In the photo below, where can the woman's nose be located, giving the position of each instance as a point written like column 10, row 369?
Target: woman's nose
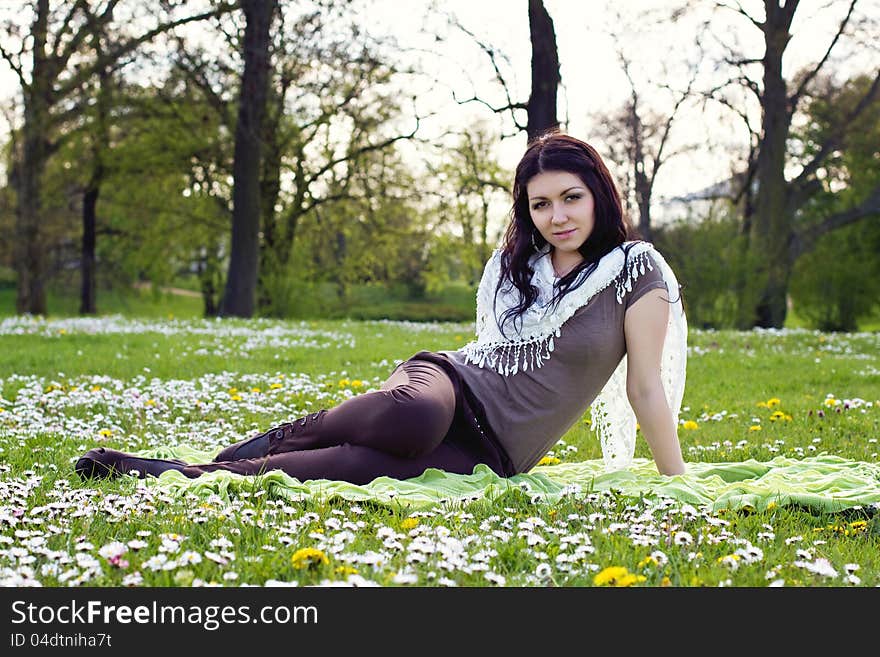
column 559, row 214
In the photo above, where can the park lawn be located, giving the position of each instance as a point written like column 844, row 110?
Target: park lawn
column 68, row 384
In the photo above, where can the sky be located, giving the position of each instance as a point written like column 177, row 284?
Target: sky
column 593, row 80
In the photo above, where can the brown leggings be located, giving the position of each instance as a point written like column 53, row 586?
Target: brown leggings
column 415, row 421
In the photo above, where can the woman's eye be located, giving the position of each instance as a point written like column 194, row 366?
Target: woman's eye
column 538, row 205
column 574, row 197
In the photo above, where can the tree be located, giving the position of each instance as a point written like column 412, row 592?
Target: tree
column 59, row 66
column 637, row 135
column 241, row 281
column 545, row 71
column 541, row 110
column 470, row 180
column 330, row 100
column 836, row 280
column 775, row 201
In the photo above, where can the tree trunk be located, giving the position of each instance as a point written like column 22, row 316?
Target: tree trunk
column 28, row 251
column 241, row 280
column 208, row 271
column 771, row 224
column 100, row 138
column 270, row 189
column 545, row 71
column 87, row 303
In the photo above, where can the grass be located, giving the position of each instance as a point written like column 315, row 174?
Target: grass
column 456, row 303
column 66, row 385
column 143, row 302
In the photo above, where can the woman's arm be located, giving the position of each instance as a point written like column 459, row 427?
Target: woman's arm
column 645, row 330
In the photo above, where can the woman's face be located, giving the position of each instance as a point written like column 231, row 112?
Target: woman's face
column 562, row 209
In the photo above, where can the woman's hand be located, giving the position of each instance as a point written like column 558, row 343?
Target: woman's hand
column 645, row 331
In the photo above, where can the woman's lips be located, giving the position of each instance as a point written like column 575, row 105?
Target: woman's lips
column 565, row 234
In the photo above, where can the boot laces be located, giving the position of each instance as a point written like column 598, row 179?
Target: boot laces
column 310, row 418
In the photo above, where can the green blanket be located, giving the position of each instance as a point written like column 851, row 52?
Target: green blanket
column 824, row 483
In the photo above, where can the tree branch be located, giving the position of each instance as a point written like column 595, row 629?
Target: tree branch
column 657, row 160
column 93, row 25
column 834, row 139
column 15, row 67
column 497, row 110
column 511, row 105
column 739, row 10
column 128, row 46
column 805, row 239
column 195, row 72
column 360, row 151
column 795, row 98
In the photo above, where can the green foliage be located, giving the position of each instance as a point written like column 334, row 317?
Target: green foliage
column 837, row 285
column 449, row 261
column 710, row 262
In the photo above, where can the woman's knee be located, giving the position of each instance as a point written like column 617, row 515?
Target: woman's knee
column 420, row 422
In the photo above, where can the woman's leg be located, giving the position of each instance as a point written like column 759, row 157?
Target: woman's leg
column 353, row 463
column 408, row 417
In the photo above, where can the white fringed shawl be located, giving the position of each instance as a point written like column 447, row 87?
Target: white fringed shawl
column 531, row 345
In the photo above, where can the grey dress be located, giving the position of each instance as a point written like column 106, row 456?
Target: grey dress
column 528, row 412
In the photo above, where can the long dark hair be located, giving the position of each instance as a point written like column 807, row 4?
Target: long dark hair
column 554, row 151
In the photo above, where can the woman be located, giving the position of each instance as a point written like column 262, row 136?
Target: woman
column 559, row 306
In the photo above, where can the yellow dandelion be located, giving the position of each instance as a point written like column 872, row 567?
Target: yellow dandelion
column 755, row 427
column 690, row 425
column 62, row 331
column 777, row 415
column 609, row 575
column 647, row 561
column 665, row 582
column 308, row 557
column 105, row 433
column 409, row 523
column 275, row 386
column 629, row 579
column 357, row 383
column 548, row 460
column 762, row 404
column 255, row 390
column 96, row 388
column 773, row 402
column 150, row 402
column 345, row 571
column 2, row 410
column 831, row 401
column 343, row 382
column 236, row 398
column 729, row 559
column 232, row 391
column 638, row 427
column 771, row 506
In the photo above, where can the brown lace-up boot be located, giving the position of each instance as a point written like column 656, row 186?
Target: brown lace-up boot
column 103, row 463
